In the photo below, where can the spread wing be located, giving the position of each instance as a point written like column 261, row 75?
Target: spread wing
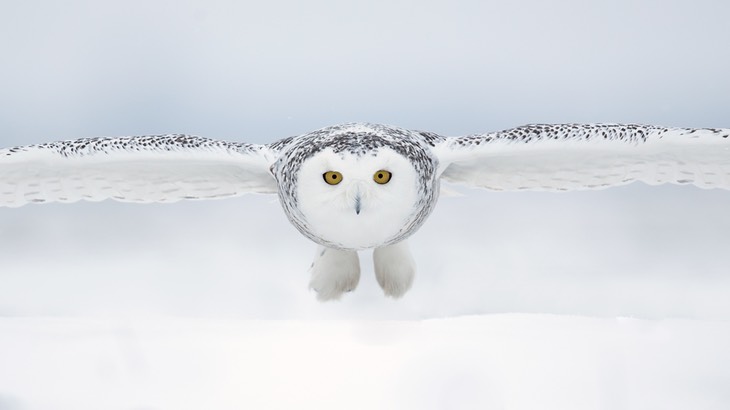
column 158, row 168
column 572, row 156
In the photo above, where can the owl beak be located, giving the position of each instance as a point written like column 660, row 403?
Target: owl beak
column 354, row 193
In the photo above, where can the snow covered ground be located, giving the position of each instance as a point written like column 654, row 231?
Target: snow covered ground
column 508, row 361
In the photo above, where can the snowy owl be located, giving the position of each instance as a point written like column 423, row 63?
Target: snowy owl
column 360, row 186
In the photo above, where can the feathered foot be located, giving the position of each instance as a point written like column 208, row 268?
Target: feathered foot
column 334, row 272
column 394, row 268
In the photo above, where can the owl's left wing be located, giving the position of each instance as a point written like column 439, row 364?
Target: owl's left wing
column 155, row 168
column 572, row 156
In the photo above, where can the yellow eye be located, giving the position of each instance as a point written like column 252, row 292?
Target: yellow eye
column 382, row 177
column 332, row 177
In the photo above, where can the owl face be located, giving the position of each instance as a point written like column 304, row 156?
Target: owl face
column 357, row 186
column 357, row 201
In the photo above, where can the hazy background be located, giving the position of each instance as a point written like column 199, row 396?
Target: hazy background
column 257, row 72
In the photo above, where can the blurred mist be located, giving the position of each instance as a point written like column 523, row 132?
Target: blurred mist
column 259, row 72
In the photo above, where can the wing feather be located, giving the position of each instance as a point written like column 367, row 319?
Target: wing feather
column 156, row 168
column 573, row 156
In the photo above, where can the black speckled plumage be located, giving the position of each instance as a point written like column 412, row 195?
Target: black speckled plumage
column 626, row 133
column 145, row 143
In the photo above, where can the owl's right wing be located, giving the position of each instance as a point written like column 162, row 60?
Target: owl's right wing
column 157, row 168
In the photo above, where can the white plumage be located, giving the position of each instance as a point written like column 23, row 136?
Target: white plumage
column 159, row 168
column 357, row 186
column 569, row 157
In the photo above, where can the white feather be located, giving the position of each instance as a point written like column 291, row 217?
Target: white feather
column 569, row 157
column 334, row 272
column 394, row 268
column 163, row 168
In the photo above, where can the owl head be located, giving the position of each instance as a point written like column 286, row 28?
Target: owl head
column 357, row 186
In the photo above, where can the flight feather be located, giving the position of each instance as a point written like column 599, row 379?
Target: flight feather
column 155, row 168
column 575, row 156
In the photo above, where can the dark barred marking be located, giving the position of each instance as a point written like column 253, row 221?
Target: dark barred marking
column 151, row 143
column 628, row 133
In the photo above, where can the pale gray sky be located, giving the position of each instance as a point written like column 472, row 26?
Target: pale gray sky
column 262, row 70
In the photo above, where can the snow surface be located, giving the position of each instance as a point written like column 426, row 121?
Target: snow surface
column 508, row 361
